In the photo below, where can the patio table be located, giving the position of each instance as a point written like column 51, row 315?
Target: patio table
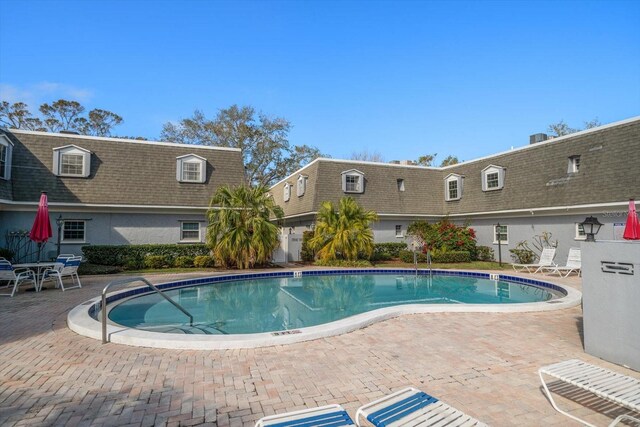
column 39, row 267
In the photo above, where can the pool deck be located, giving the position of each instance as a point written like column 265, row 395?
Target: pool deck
column 484, row 364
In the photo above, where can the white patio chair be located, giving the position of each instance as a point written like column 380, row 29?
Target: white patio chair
column 330, row 416
column 67, row 268
column 574, row 263
column 546, row 260
column 412, row 407
column 17, row 277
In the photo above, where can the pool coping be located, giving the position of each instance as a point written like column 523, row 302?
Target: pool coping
column 82, row 319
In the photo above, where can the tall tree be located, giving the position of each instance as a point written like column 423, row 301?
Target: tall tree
column 562, row 129
column 426, row 160
column 18, row 116
column 365, row 156
column 100, row 122
column 449, row 160
column 63, row 115
column 240, row 231
column 345, row 233
column 268, row 156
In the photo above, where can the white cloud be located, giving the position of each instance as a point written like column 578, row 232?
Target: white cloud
column 36, row 94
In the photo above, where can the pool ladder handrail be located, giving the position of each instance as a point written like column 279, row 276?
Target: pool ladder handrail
column 131, row 280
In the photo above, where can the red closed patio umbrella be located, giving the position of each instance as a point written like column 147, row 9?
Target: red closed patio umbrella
column 41, row 230
column 632, row 228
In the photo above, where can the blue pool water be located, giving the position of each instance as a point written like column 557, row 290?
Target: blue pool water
column 277, row 304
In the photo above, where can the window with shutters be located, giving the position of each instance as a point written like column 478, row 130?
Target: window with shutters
column 453, row 187
column 353, row 181
column 72, row 161
column 492, row 178
column 191, row 168
column 6, row 147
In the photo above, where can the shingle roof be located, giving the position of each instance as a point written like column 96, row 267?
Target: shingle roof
column 123, row 172
column 536, row 176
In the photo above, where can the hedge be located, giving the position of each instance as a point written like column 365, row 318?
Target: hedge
column 442, row 257
column 132, row 256
column 393, row 249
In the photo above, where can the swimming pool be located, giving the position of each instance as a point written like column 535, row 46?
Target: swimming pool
column 251, row 310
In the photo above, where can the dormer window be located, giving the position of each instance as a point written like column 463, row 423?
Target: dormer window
column 302, row 185
column 492, row 178
column 353, row 181
column 453, row 187
column 286, row 192
column 6, row 148
column 574, row 164
column 71, row 160
column 191, row 168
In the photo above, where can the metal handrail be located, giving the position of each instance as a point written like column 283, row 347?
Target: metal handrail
column 131, row 280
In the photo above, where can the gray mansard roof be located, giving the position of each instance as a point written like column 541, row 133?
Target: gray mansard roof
column 123, row 172
column 535, row 176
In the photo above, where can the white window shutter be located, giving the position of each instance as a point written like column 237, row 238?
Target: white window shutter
column 446, row 190
column 86, row 166
column 344, row 182
column 7, row 170
column 179, row 170
column 203, row 171
column 501, row 178
column 460, row 181
column 360, row 184
column 484, row 180
column 56, row 162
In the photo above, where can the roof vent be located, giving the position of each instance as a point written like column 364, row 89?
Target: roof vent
column 69, row 132
column 537, row 137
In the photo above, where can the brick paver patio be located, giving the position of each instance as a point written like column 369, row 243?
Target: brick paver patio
column 483, row 364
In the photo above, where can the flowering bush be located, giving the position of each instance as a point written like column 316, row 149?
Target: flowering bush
column 445, row 236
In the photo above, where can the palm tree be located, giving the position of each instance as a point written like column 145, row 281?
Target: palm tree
column 240, row 230
column 343, row 234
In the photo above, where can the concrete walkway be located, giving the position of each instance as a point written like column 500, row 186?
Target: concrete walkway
column 483, row 364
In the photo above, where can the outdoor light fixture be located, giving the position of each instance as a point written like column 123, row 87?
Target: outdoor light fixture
column 591, row 226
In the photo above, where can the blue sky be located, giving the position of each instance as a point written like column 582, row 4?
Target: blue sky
column 400, row 78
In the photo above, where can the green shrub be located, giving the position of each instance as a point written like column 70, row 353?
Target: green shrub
column 444, row 235
column 89, row 269
column 6, row 253
column 204, row 261
column 407, row 256
column 183, row 262
column 343, row 263
column 156, row 261
column 522, row 254
column 392, row 249
column 452, row 256
column 132, row 256
column 484, row 253
column 306, row 253
column 381, row 256
column 132, row 264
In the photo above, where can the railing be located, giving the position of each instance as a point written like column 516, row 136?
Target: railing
column 131, row 280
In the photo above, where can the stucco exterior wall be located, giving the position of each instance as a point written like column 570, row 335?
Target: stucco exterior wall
column 106, row 228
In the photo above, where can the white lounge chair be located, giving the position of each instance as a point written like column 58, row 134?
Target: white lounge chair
column 574, row 263
column 329, row 416
column 546, row 260
column 617, row 388
column 65, row 267
column 413, row 407
column 11, row 275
